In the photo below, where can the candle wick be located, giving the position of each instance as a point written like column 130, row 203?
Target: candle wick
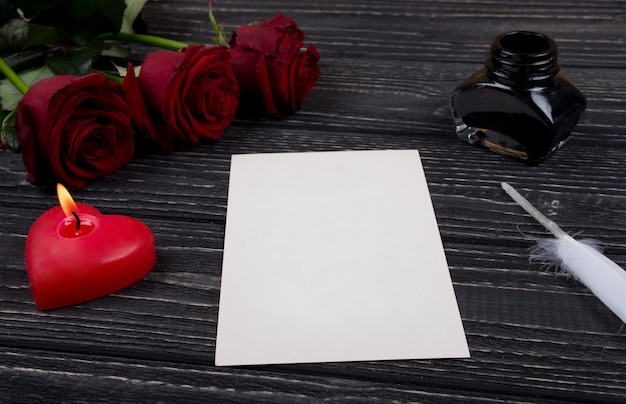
column 77, row 220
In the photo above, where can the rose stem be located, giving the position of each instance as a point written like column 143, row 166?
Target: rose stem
column 110, row 76
column 220, row 39
column 146, row 40
column 13, row 77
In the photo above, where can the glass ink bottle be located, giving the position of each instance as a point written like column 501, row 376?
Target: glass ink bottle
column 519, row 104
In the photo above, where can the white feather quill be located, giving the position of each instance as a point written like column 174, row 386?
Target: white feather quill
column 582, row 259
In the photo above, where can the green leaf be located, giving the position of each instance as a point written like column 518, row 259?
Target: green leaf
column 76, row 61
column 76, row 21
column 13, row 34
column 41, row 35
column 10, row 95
column 133, row 9
column 18, row 34
column 90, row 18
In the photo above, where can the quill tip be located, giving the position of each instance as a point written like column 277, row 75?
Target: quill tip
column 534, row 212
column 513, row 193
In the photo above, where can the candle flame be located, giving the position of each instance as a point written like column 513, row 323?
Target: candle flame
column 65, row 199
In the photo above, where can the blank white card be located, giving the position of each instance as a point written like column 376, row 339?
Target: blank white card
column 334, row 256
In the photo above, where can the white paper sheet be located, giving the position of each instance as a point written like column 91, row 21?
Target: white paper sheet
column 334, row 256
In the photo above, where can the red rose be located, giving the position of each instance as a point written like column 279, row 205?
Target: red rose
column 192, row 94
column 74, row 129
column 274, row 76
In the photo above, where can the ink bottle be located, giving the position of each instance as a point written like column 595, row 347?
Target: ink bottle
column 519, row 104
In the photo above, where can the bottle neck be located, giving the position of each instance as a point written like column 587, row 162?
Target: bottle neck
column 522, row 58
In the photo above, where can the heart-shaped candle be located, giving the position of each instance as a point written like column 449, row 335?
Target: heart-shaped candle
column 75, row 254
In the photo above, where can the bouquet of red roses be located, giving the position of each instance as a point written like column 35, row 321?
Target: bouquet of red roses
column 74, row 123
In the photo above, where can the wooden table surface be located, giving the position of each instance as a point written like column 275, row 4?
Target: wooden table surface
column 387, row 71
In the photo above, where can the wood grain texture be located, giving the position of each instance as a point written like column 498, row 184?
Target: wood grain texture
column 387, row 70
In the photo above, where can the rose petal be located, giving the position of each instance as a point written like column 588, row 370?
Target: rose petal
column 142, row 121
column 256, row 91
column 178, row 93
column 60, row 119
column 156, row 71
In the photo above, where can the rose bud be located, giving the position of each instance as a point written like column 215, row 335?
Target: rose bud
column 274, row 75
column 74, row 129
column 192, row 94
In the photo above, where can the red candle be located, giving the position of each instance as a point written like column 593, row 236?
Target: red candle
column 75, row 254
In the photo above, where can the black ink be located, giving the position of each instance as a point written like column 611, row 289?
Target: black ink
column 518, row 104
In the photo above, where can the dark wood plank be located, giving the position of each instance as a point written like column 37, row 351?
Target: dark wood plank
column 387, row 70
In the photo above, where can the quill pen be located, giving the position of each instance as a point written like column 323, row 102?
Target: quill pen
column 582, row 259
